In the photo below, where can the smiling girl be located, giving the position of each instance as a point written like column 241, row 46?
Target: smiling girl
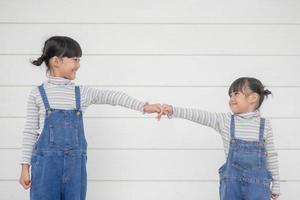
column 252, row 165
column 54, row 145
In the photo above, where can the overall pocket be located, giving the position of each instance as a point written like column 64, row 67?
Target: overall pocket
column 63, row 136
column 246, row 159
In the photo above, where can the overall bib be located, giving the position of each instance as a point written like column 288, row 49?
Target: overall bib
column 244, row 176
column 58, row 163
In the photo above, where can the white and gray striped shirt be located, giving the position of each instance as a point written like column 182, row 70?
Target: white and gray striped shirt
column 61, row 95
column 246, row 128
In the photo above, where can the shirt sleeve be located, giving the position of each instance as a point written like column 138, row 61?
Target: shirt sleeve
column 272, row 158
column 31, row 126
column 98, row 96
column 211, row 119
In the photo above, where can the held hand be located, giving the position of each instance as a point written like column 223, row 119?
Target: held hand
column 25, row 178
column 167, row 110
column 152, row 108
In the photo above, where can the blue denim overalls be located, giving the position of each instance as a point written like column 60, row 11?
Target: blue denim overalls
column 244, row 176
column 58, row 163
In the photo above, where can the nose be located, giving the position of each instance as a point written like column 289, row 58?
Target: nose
column 232, row 99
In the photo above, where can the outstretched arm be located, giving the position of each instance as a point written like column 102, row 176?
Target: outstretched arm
column 210, row 119
column 98, row 96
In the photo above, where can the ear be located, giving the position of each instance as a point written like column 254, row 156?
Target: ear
column 253, row 98
column 56, row 61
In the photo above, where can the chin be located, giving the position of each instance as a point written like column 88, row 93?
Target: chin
column 234, row 111
column 72, row 77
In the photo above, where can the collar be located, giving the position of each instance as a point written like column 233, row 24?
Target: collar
column 59, row 80
column 249, row 115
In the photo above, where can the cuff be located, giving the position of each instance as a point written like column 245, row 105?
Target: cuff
column 146, row 103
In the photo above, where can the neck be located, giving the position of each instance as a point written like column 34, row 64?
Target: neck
column 56, row 74
column 250, row 114
column 58, row 80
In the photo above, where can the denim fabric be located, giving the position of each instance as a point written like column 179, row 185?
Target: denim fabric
column 58, row 163
column 244, row 176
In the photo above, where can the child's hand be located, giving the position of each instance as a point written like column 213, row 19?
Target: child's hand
column 152, row 108
column 275, row 196
column 167, row 110
column 25, row 178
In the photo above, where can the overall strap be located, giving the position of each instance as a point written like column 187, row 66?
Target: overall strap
column 44, row 96
column 261, row 130
column 77, row 96
column 232, row 127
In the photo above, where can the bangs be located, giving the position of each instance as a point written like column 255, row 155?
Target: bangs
column 72, row 49
column 238, row 85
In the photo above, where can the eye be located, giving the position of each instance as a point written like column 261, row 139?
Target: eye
column 234, row 94
column 76, row 59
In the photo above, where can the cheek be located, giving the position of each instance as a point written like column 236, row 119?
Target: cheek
column 71, row 69
column 244, row 103
column 74, row 68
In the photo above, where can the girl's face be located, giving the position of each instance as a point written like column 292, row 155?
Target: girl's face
column 65, row 67
column 243, row 102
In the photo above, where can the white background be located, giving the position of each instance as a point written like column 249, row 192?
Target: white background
column 184, row 53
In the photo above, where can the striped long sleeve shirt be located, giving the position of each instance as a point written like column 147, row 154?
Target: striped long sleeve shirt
column 247, row 128
column 61, row 95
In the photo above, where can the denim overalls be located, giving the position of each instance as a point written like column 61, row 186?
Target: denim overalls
column 58, row 163
column 244, row 176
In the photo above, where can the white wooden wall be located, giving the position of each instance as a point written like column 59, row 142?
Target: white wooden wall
column 183, row 52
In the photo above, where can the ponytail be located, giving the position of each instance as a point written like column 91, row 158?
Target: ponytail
column 266, row 93
column 39, row 61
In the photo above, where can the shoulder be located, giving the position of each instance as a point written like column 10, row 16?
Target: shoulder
column 268, row 124
column 34, row 91
column 226, row 116
column 84, row 89
column 33, row 95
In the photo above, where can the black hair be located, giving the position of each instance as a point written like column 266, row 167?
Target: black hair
column 60, row 46
column 255, row 85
